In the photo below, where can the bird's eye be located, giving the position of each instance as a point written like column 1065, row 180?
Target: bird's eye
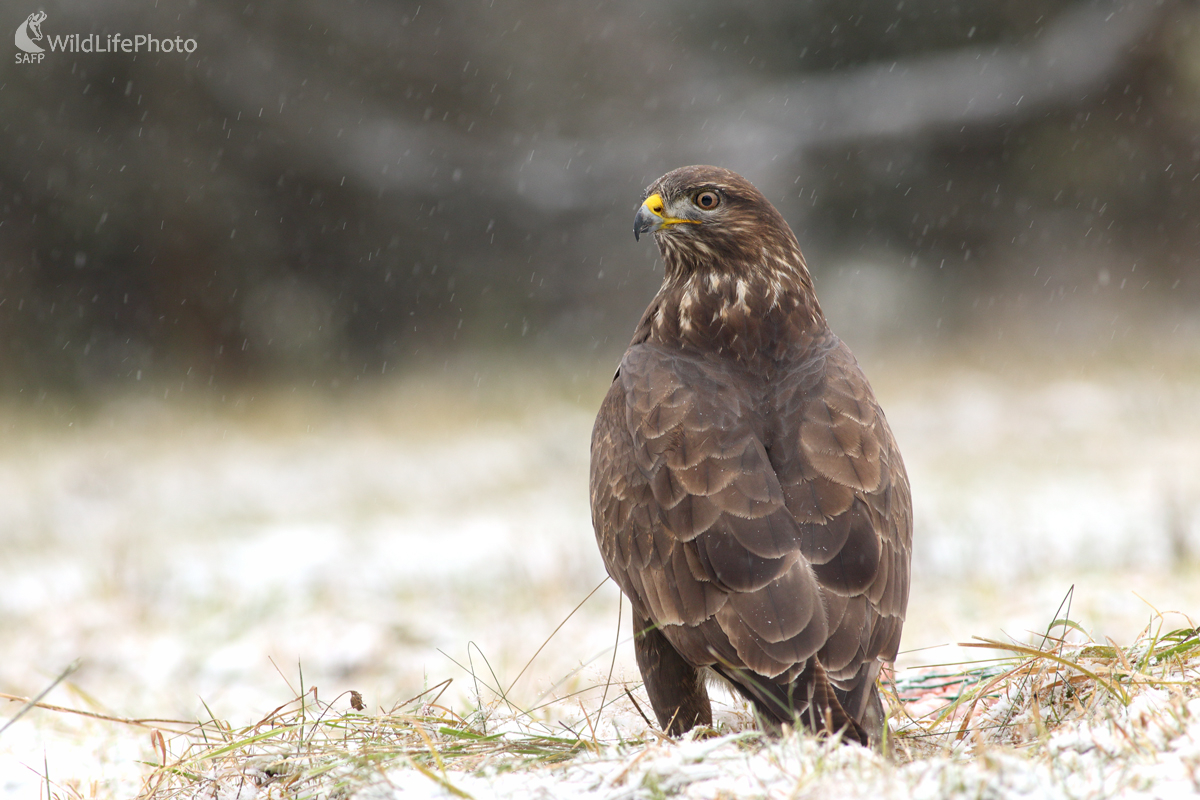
column 707, row 200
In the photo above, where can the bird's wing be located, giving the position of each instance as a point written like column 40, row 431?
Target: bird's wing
column 845, row 485
column 691, row 517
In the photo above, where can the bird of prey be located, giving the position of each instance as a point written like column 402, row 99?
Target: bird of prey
column 747, row 493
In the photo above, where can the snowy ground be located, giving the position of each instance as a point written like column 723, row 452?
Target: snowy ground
column 198, row 554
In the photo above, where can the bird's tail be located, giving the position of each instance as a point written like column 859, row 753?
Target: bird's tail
column 811, row 698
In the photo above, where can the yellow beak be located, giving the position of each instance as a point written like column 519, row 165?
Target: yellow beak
column 652, row 217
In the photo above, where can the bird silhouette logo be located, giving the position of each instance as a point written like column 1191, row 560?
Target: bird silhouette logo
column 30, row 32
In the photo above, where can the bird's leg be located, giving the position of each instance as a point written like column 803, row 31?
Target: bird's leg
column 676, row 688
column 862, row 702
column 825, row 713
column 874, row 718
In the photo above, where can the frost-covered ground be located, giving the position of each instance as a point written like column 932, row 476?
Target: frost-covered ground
column 198, row 554
column 1133, row 755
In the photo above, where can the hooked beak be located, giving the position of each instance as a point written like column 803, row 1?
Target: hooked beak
column 649, row 217
column 652, row 217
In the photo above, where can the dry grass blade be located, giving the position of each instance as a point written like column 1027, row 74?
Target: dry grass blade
column 1023, row 699
column 157, row 724
column 542, row 647
column 1035, row 653
column 33, row 703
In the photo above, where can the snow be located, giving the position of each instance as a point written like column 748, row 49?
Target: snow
column 1084, row 762
column 189, row 553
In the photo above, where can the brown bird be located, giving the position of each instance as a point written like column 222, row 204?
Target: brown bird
column 747, row 494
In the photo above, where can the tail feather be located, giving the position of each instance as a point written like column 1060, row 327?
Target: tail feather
column 811, row 698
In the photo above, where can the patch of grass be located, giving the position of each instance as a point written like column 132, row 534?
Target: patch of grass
column 1016, row 700
column 309, row 747
column 1058, row 680
column 1019, row 699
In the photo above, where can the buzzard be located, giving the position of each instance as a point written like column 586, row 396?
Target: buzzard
column 747, row 494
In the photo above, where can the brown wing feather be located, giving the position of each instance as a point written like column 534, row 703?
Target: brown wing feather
column 756, row 528
column 845, row 479
column 690, row 429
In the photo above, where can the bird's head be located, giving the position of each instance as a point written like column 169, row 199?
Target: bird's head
column 709, row 218
column 735, row 279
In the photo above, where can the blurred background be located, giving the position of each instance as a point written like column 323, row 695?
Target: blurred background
column 343, row 189
column 302, row 333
